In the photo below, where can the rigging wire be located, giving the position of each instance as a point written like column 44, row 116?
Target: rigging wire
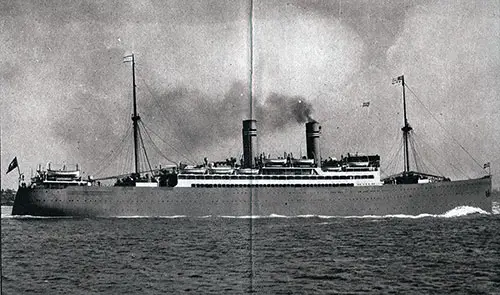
column 434, row 166
column 441, row 125
column 396, row 155
column 418, row 159
column 395, row 159
column 127, row 160
column 393, row 151
column 160, row 106
column 144, row 149
column 420, row 163
column 167, row 143
column 414, row 153
column 114, row 153
column 155, row 146
column 126, row 163
column 437, row 153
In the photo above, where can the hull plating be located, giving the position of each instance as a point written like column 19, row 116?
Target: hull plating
column 434, row 198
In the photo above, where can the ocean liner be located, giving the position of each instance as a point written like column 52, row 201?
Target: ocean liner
column 257, row 185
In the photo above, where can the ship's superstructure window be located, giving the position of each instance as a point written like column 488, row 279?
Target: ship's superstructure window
column 210, row 185
column 274, row 177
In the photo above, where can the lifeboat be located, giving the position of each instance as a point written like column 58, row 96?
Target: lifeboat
column 332, row 168
column 63, row 174
column 248, row 171
column 275, row 162
column 194, row 170
column 221, row 170
column 303, row 162
column 357, row 161
column 358, row 164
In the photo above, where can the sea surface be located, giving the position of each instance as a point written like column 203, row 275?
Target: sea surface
column 454, row 253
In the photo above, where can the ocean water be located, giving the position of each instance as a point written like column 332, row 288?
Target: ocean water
column 454, row 253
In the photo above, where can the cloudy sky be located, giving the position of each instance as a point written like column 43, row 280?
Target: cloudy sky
column 66, row 94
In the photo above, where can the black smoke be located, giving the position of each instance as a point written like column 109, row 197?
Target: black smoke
column 279, row 110
column 188, row 120
column 194, row 119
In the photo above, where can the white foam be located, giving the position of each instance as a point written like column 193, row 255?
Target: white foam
column 307, row 216
column 173, row 216
column 327, row 216
column 35, row 217
column 256, row 216
column 278, row 216
column 496, row 208
column 7, row 214
column 455, row 212
column 142, row 216
column 462, row 211
column 6, row 211
column 243, row 216
column 205, row 216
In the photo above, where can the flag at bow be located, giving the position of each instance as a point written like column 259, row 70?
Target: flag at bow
column 13, row 165
column 397, row 80
column 487, row 165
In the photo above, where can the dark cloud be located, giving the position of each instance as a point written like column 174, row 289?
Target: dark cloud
column 378, row 24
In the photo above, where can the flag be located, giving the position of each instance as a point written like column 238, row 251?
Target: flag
column 397, row 80
column 487, row 165
column 128, row 58
column 12, row 165
column 366, row 104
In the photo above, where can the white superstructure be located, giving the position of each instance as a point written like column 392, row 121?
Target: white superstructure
column 279, row 174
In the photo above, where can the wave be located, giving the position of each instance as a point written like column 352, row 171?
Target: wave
column 140, row 216
column 21, row 217
column 462, row 211
column 7, row 214
column 254, row 216
column 455, row 212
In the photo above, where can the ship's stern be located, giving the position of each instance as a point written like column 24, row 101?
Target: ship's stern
column 23, row 204
column 19, row 201
column 27, row 202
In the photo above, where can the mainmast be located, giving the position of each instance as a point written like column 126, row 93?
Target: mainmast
column 135, row 117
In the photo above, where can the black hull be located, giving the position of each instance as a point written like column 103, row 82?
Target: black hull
column 411, row 199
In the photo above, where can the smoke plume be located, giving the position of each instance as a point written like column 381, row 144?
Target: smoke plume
column 199, row 120
column 189, row 120
column 279, row 110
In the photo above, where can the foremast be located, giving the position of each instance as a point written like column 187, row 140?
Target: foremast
column 135, row 117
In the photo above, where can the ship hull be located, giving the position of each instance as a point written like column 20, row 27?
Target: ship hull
column 100, row 201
